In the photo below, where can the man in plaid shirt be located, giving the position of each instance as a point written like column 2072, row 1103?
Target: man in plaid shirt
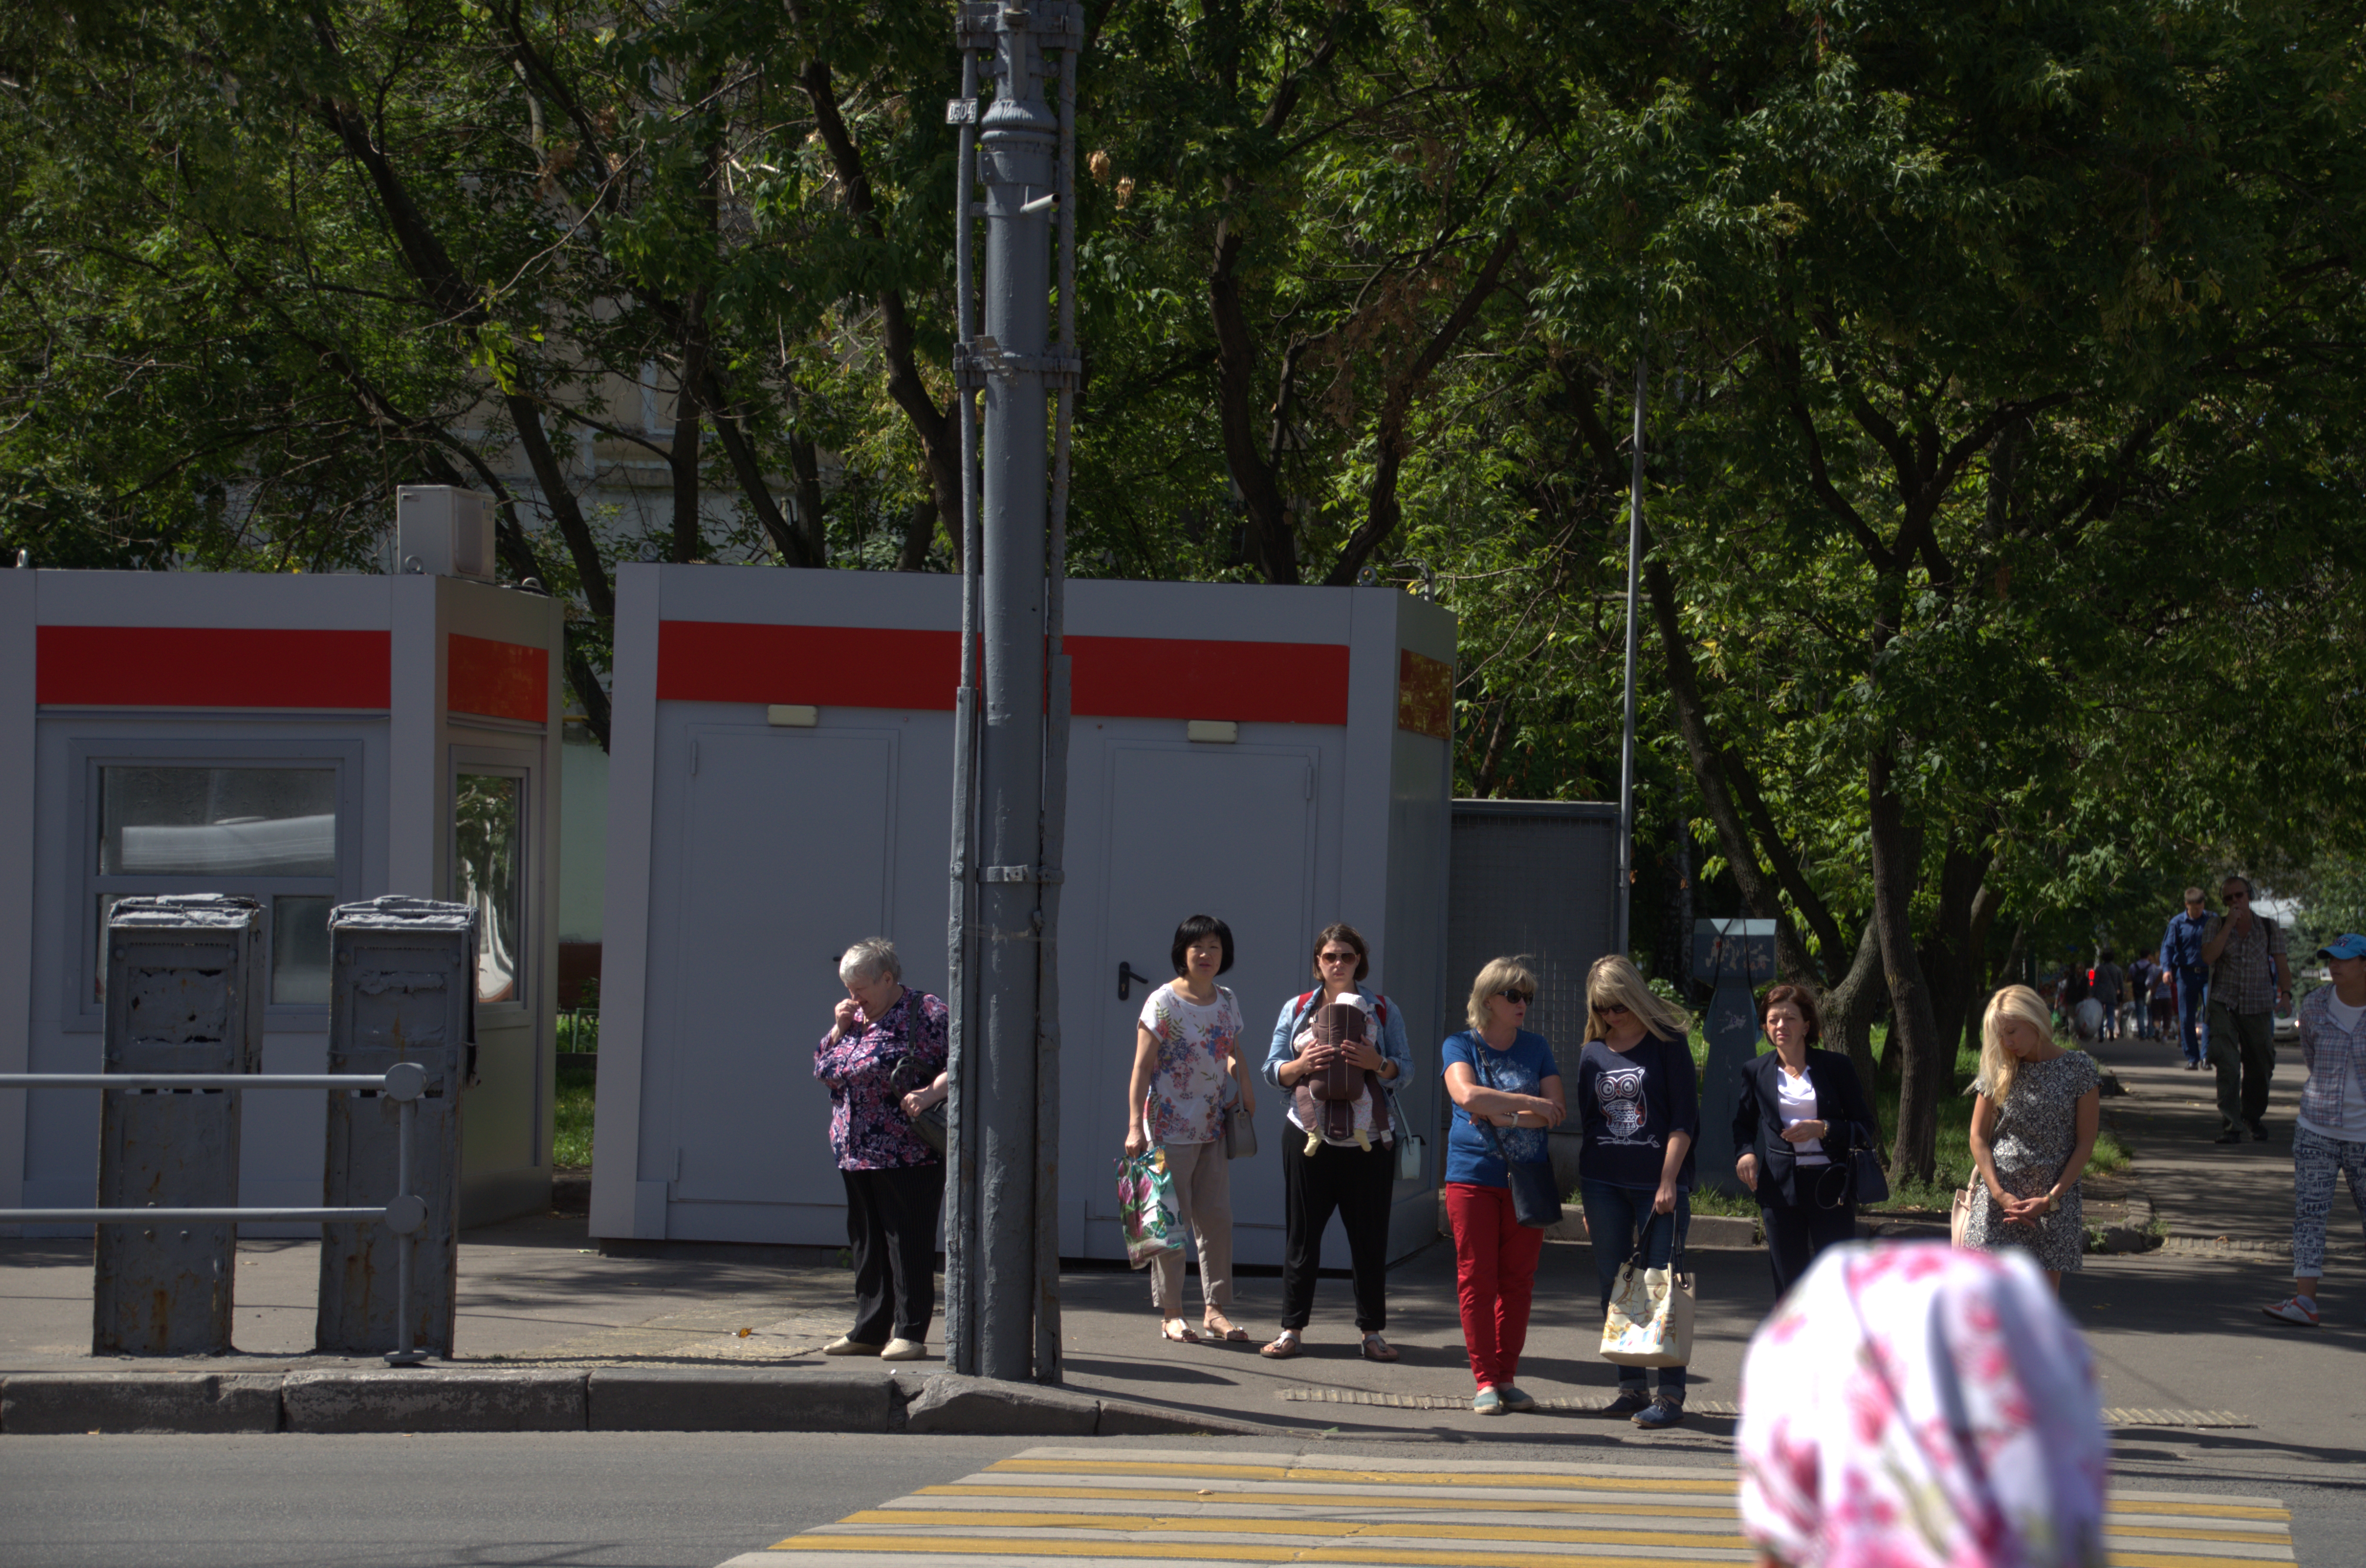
column 2251, row 981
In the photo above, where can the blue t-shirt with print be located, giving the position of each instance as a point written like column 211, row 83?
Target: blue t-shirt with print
column 1522, row 1069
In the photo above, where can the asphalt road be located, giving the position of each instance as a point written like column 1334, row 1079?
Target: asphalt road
column 628, row 1500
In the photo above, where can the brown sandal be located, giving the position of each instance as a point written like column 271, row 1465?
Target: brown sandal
column 1378, row 1349
column 1285, row 1345
column 1175, row 1332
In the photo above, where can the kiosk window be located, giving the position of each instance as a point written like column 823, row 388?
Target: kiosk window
column 265, row 832
column 487, row 858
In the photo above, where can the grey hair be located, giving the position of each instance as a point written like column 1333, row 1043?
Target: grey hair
column 2086, row 1022
column 872, row 956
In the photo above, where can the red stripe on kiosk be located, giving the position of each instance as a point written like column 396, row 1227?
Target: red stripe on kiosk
column 191, row 667
column 500, row 681
column 1131, row 677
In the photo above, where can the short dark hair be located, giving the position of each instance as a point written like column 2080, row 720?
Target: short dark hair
column 1343, row 931
column 1798, row 996
column 1195, row 929
column 2107, row 956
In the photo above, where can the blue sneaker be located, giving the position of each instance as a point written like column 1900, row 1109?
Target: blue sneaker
column 1489, row 1402
column 1664, row 1412
column 1629, row 1401
column 1516, row 1402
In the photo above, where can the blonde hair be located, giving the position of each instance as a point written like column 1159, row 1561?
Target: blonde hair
column 1998, row 1065
column 1613, row 977
column 1500, row 974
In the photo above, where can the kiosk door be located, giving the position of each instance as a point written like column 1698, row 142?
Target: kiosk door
column 787, row 854
column 1199, row 830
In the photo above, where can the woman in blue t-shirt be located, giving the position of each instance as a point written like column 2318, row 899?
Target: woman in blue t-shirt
column 1505, row 1076
column 1639, row 1106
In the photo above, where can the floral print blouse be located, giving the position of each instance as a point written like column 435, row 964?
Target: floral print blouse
column 1196, row 1047
column 868, row 1130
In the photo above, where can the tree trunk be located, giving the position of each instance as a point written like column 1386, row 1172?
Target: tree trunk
column 1851, row 1007
column 1758, row 890
column 681, row 454
column 1951, row 963
column 1976, row 983
column 1924, row 1076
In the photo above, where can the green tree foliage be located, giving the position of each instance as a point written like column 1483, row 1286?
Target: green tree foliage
column 2002, row 376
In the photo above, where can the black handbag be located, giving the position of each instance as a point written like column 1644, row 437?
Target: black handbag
column 1866, row 1175
column 1536, row 1198
column 928, row 1124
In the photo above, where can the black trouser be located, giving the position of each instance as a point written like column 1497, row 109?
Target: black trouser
column 891, row 1227
column 1356, row 1184
column 1796, row 1232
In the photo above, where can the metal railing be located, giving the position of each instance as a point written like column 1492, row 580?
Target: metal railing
column 404, row 1213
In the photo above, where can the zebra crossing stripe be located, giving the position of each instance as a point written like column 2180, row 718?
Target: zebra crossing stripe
column 1083, row 1508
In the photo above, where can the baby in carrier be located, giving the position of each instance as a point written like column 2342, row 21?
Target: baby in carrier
column 1339, row 1102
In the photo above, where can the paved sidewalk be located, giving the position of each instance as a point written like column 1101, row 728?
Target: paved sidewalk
column 2176, row 1331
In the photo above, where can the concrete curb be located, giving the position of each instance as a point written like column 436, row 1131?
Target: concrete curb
column 599, row 1399
column 139, row 1402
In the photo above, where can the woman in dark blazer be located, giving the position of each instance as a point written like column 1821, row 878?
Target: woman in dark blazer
column 1800, row 1111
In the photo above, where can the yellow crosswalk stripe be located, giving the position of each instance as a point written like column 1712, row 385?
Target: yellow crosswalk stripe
column 1102, row 1509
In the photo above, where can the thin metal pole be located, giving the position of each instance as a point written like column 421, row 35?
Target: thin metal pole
column 406, row 1114
column 961, row 1144
column 1626, row 736
column 1055, row 773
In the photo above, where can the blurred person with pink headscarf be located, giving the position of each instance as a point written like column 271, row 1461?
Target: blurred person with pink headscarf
column 1919, row 1406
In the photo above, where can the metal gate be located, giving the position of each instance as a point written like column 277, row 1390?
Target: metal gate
column 1534, row 877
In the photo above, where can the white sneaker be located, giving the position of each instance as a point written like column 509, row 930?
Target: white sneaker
column 900, row 1350
column 848, row 1345
column 2297, row 1309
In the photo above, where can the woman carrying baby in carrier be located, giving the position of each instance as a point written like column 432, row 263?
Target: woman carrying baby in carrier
column 1337, row 1052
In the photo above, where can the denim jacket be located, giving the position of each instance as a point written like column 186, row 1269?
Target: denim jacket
column 2331, row 1056
column 1392, row 1047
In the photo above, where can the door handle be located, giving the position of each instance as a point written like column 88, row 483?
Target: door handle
column 1125, row 978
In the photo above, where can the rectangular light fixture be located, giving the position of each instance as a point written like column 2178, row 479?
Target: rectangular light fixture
column 793, row 715
column 1221, row 731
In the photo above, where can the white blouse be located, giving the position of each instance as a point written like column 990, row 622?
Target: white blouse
column 1797, row 1103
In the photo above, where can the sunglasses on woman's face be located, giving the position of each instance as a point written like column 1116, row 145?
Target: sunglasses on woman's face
column 1338, row 957
column 1521, row 997
column 1610, row 1009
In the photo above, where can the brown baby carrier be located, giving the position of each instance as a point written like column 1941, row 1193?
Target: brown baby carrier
column 1327, row 1099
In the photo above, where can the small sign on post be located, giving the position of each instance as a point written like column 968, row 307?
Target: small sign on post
column 1735, row 957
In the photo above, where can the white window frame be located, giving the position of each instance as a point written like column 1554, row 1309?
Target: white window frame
column 83, row 1014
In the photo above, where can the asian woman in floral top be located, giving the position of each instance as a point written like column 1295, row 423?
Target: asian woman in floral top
column 884, row 1060
column 1187, row 1068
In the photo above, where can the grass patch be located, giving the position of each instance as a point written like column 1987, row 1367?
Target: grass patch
column 573, row 1143
column 578, row 1029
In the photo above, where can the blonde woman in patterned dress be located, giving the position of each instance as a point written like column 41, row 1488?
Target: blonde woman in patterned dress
column 2034, row 1129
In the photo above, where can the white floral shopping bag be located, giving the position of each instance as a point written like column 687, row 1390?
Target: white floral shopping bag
column 1146, row 1209
column 1650, row 1323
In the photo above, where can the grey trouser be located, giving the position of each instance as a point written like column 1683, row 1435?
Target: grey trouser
column 1203, row 1191
column 2243, row 1053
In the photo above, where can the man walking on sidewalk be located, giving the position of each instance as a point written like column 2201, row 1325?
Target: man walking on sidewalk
column 2330, row 1134
column 2110, row 990
column 2180, row 954
column 2140, row 973
column 2249, row 980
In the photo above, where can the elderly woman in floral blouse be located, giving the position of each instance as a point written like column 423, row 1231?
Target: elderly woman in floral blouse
column 884, row 1060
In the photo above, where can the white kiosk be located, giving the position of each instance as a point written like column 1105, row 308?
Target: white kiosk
column 305, row 741
column 780, row 785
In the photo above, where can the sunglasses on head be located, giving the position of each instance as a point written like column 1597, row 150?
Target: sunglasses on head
column 1515, row 995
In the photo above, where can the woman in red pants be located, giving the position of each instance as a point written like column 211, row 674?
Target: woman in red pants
column 1503, row 1076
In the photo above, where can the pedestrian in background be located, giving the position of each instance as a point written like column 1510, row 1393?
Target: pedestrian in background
column 2250, row 982
column 2141, row 969
column 1800, row 1111
column 2033, row 1128
column 2180, row 954
column 1639, row 1102
column 1352, row 1182
column 2164, row 1007
column 1186, row 1065
column 2330, row 1135
column 1507, row 1095
column 2110, row 988
column 884, row 1060
column 1915, row 1405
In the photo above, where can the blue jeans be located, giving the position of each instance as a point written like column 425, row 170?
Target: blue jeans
column 1614, row 1217
column 2192, row 999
